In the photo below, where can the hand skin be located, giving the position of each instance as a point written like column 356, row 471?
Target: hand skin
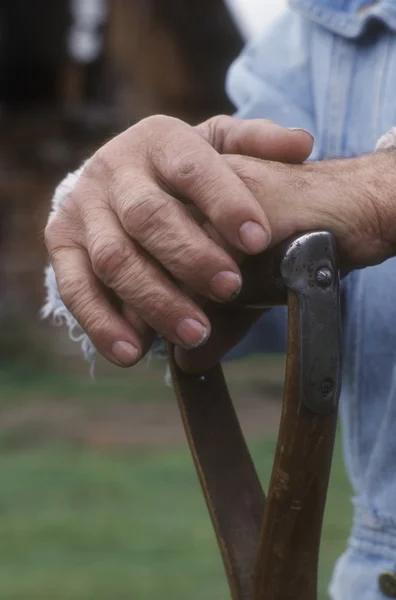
column 127, row 244
column 352, row 198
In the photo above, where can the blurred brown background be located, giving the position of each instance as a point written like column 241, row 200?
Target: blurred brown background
column 59, row 102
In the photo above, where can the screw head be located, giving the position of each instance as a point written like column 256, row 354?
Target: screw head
column 324, row 277
column 326, row 387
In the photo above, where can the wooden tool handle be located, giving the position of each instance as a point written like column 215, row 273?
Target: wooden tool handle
column 281, row 562
column 287, row 562
column 226, row 471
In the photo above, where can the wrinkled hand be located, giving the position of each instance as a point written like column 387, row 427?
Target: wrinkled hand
column 351, row 198
column 126, row 247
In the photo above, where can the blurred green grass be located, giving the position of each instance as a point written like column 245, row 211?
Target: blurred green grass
column 77, row 524
column 80, row 523
column 39, row 378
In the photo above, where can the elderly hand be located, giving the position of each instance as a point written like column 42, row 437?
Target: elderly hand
column 126, row 247
column 351, row 198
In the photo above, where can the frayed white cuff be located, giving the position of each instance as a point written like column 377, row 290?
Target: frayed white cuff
column 387, row 141
column 54, row 308
column 64, row 189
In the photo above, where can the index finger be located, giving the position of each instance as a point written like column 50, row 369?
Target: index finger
column 257, row 138
column 193, row 170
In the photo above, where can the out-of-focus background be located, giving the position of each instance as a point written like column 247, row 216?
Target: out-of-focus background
column 98, row 495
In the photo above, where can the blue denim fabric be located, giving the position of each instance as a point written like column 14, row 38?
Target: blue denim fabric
column 330, row 66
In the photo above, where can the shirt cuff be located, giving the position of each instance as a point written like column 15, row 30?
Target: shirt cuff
column 54, row 308
column 387, row 141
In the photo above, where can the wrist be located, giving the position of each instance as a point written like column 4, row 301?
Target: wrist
column 354, row 199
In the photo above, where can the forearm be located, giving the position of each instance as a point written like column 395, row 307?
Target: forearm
column 353, row 198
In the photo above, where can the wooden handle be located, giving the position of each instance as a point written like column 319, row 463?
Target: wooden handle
column 281, row 562
column 287, row 563
column 226, row 471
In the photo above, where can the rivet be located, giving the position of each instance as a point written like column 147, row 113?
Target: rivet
column 324, row 277
column 326, row 387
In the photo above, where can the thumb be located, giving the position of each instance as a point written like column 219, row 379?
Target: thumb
column 256, row 137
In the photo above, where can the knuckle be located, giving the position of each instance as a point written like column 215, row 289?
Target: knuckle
column 107, row 163
column 216, row 129
column 155, row 123
column 57, row 235
column 186, row 167
column 221, row 120
column 69, row 212
column 108, row 257
column 193, row 174
column 100, row 165
column 51, row 232
column 147, row 215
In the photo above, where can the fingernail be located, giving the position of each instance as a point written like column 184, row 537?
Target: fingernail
column 191, row 333
column 226, row 285
column 254, row 237
column 125, row 353
column 301, row 129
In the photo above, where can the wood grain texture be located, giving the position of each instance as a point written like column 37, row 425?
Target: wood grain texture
column 228, row 478
column 281, row 562
column 287, row 563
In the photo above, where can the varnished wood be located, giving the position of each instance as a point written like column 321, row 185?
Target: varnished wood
column 228, row 478
column 287, row 563
column 280, row 562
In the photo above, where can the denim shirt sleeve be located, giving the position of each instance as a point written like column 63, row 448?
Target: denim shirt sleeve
column 272, row 77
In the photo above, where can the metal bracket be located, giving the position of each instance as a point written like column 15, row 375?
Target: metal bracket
column 309, row 269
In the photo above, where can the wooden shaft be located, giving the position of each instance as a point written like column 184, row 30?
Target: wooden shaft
column 226, row 471
column 281, row 561
column 287, row 562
